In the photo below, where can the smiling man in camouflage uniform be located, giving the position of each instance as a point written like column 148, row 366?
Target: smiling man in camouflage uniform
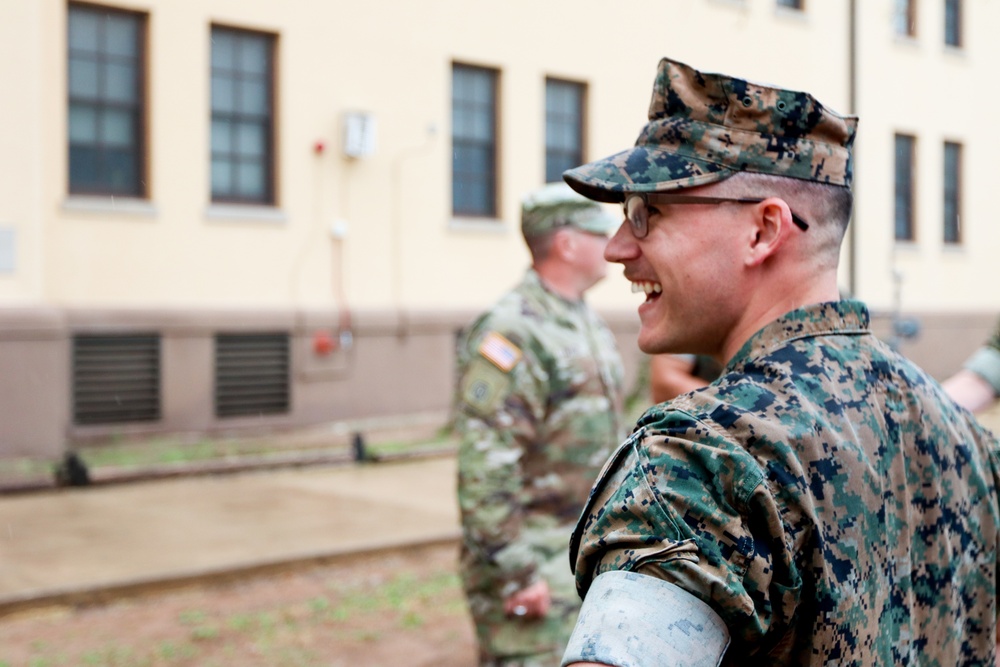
column 823, row 502
column 538, row 408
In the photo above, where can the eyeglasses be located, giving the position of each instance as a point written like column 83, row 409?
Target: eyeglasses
column 637, row 208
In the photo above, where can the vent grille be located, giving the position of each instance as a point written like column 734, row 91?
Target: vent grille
column 116, row 378
column 251, row 374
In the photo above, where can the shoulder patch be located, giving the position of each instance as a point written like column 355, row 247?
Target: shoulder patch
column 484, row 387
column 503, row 353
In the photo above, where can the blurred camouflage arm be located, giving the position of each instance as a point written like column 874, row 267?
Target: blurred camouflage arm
column 495, row 433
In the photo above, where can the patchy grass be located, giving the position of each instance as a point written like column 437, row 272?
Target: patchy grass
column 322, row 617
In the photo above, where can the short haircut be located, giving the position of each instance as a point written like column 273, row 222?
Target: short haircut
column 827, row 208
column 540, row 245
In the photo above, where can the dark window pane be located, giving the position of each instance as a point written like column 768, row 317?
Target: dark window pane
column 241, row 116
column 223, row 95
column 794, row 4
column 253, row 98
column 254, row 55
column 473, row 141
column 250, row 180
column 120, row 84
column 121, row 169
column 83, row 78
column 83, row 166
column 953, row 22
column 82, row 124
column 121, row 35
column 904, row 188
column 83, row 27
column 222, row 177
column 223, row 50
column 952, row 192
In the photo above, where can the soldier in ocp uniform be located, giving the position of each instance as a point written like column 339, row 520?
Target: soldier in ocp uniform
column 539, row 402
column 823, row 502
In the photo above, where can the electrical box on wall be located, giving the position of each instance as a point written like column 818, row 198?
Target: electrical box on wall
column 360, row 133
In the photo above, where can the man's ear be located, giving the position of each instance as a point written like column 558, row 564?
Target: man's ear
column 563, row 243
column 772, row 225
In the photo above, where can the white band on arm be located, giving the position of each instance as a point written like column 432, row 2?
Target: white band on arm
column 635, row 620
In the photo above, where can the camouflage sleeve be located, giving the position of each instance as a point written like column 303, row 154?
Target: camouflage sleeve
column 497, row 420
column 985, row 362
column 678, row 509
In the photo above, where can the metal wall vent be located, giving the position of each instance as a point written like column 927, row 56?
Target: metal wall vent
column 116, row 378
column 251, row 374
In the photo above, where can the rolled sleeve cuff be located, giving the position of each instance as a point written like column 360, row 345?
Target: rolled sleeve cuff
column 986, row 364
column 635, row 620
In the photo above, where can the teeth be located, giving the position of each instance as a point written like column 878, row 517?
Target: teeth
column 647, row 287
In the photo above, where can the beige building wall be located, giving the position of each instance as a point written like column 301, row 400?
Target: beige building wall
column 374, row 236
column 920, row 87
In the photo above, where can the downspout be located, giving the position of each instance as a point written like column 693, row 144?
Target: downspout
column 852, row 102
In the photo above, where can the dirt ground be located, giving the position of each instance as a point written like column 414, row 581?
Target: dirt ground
column 396, row 608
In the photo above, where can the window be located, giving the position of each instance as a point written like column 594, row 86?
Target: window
column 953, row 22
column 242, row 116
column 474, row 141
column 904, row 18
column 105, row 51
column 563, row 127
column 952, row 192
column 791, row 4
column 904, row 187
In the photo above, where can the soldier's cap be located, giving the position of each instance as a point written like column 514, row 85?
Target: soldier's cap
column 706, row 127
column 556, row 205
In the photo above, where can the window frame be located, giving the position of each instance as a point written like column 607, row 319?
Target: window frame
column 904, row 213
column 138, row 186
column 577, row 156
column 491, row 205
column 952, row 193
column 269, row 196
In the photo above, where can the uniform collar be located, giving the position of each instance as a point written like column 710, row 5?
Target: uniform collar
column 847, row 317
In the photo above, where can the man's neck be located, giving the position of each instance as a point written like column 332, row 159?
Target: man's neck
column 560, row 281
column 767, row 305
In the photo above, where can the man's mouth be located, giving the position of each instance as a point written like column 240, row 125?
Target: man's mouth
column 651, row 289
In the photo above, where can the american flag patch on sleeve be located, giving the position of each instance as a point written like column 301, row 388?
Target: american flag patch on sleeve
column 503, row 353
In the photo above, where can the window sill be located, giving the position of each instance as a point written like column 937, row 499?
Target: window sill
column 790, row 13
column 109, row 204
column 478, row 225
column 245, row 213
column 906, row 41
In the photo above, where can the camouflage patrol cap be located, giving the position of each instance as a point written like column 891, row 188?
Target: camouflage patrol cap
column 556, row 205
column 704, row 128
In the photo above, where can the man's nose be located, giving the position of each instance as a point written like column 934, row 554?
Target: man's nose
column 622, row 246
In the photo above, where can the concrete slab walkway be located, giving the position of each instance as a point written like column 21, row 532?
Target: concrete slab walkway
column 75, row 545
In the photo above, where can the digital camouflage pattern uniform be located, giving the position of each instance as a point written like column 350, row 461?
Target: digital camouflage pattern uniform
column 539, row 405
column 985, row 362
column 824, row 496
